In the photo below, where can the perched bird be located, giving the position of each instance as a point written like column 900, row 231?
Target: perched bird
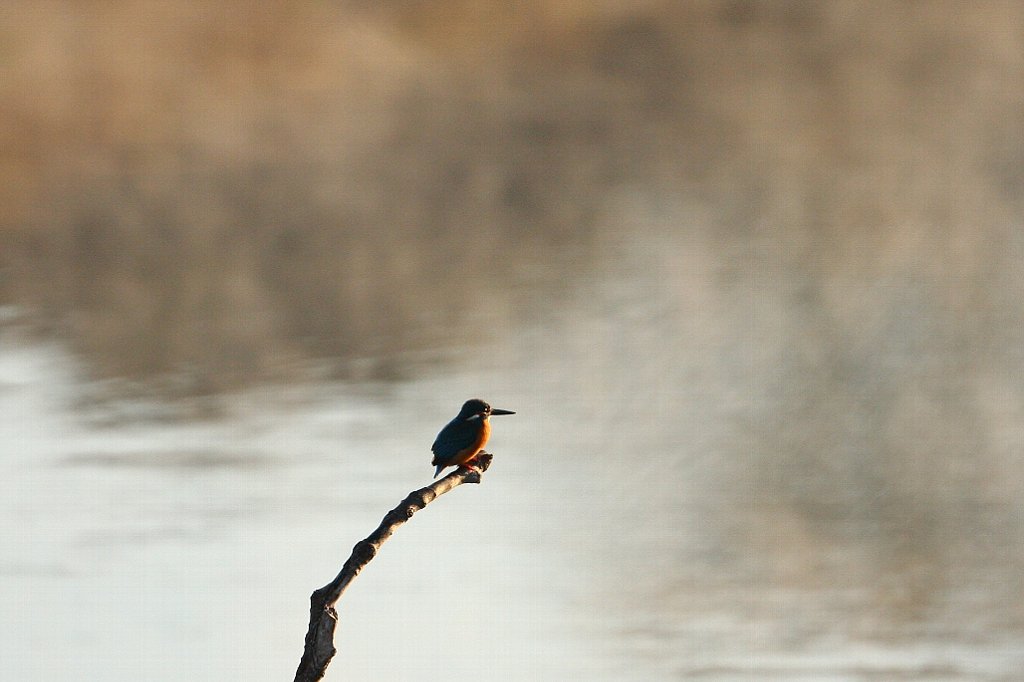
column 464, row 437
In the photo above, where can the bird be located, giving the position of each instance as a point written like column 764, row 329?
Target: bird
column 464, row 437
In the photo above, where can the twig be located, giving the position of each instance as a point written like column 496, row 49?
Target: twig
column 319, row 648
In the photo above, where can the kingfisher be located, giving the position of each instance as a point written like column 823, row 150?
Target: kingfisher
column 464, row 437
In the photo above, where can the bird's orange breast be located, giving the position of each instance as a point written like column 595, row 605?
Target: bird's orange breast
column 468, row 453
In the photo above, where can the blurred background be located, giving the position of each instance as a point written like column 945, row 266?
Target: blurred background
column 751, row 272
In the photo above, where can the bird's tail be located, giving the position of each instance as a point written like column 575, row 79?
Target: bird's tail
column 437, row 471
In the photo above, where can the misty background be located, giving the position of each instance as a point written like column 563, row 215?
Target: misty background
column 751, row 273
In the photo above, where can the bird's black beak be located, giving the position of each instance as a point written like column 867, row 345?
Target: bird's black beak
column 495, row 411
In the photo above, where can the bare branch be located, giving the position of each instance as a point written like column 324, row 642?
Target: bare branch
column 319, row 648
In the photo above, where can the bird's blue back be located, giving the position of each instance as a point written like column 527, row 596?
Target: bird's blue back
column 456, row 436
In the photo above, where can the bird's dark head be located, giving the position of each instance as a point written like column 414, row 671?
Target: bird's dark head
column 478, row 409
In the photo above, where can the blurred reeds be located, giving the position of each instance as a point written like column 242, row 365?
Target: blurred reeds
column 213, row 190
